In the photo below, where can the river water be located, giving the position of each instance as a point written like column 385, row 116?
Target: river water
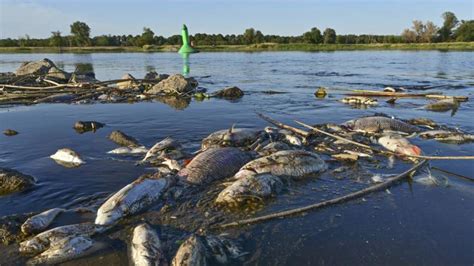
column 412, row 223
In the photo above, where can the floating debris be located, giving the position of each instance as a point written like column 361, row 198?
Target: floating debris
column 10, row 132
column 359, row 100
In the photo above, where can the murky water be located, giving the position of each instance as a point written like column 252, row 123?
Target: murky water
column 413, row 224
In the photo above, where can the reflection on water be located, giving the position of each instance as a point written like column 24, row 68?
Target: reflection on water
column 178, row 103
column 186, row 67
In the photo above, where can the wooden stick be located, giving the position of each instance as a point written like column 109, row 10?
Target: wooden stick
column 281, row 125
column 432, row 95
column 41, row 88
column 358, row 194
column 453, row 174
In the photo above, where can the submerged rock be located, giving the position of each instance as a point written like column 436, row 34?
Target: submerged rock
column 10, row 132
column 123, row 139
column 14, row 181
column 59, row 75
column 40, row 67
column 174, row 85
column 229, row 93
column 84, row 126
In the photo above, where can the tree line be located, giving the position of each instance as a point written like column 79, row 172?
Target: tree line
column 451, row 30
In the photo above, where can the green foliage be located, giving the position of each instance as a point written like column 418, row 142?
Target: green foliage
column 450, row 22
column 81, row 33
column 313, row 36
column 329, row 36
column 465, row 31
column 56, row 40
column 249, row 36
column 147, row 37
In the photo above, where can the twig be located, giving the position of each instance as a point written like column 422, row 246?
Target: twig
column 51, row 82
column 281, row 125
column 41, row 88
column 432, row 95
column 453, row 174
column 377, row 187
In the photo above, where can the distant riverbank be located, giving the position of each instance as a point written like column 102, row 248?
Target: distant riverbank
column 448, row 46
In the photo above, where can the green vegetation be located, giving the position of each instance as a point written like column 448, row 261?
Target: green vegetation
column 419, row 36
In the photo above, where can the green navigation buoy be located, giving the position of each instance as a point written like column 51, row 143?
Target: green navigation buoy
column 186, row 48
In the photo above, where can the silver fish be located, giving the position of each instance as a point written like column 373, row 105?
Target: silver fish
column 273, row 147
column 168, row 148
column 373, row 124
column 67, row 156
column 146, row 247
column 233, row 137
column 65, row 249
column 132, row 198
column 250, row 187
column 447, row 136
column 39, row 222
column 398, row 144
column 128, row 150
column 192, row 252
column 42, row 241
column 296, row 164
column 214, row 164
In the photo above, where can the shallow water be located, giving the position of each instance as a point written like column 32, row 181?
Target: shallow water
column 414, row 224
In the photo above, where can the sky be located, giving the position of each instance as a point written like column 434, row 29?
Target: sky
column 38, row 18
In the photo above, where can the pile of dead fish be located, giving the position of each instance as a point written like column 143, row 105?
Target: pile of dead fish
column 255, row 165
column 43, row 82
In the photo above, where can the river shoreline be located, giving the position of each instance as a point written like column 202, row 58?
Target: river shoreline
column 303, row 47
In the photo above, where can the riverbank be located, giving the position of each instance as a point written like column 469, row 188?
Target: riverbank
column 450, row 46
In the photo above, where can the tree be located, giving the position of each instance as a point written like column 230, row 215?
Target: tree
column 419, row 29
column 249, row 36
column 147, row 37
column 81, row 33
column 259, row 38
column 313, row 36
column 465, row 31
column 408, row 36
column 56, row 40
column 329, row 36
column 450, row 22
column 429, row 32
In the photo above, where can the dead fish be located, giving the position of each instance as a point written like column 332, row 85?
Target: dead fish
column 398, row 144
column 447, row 136
column 42, row 241
column 214, row 164
column 127, row 150
column 222, row 249
column 67, row 156
column 422, row 122
column 192, row 252
column 359, row 100
column 290, row 137
column 168, row 148
column 233, row 137
column 443, row 105
column 146, row 247
column 296, row 164
column 373, row 124
column 273, row 147
column 57, row 98
column 391, row 89
column 39, row 222
column 132, row 198
column 250, row 187
column 67, row 248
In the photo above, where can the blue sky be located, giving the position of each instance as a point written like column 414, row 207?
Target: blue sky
column 38, row 18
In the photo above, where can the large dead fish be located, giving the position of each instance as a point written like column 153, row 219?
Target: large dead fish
column 42, row 241
column 67, row 157
column 168, row 148
column 443, row 105
column 296, row 164
column 214, row 164
column 233, row 137
column 447, row 136
column 132, row 198
column 40, row 222
column 206, row 250
column 374, row 124
column 146, row 247
column 67, row 248
column 249, row 188
column 398, row 144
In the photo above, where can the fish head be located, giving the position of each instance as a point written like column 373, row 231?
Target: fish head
column 108, row 217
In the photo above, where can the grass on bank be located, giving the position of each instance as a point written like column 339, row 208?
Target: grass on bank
column 448, row 46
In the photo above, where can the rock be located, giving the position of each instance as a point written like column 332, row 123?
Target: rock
column 10, row 132
column 127, row 84
column 122, row 139
column 84, row 126
column 174, row 85
column 14, row 181
column 83, row 78
column 320, row 93
column 57, row 74
column 10, row 228
column 152, row 75
column 443, row 105
column 229, row 93
column 37, row 68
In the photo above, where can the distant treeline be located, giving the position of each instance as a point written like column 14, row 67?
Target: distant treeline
column 451, row 30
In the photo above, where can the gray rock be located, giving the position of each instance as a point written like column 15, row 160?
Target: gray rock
column 83, row 78
column 14, row 181
column 10, row 228
column 123, row 139
column 174, row 85
column 38, row 67
column 154, row 75
column 57, row 74
column 229, row 93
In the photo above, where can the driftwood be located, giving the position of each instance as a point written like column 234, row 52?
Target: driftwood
column 355, row 195
column 453, row 174
column 432, row 95
column 281, row 125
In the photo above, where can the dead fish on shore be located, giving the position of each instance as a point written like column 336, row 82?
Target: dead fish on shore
column 65, row 249
column 273, row 147
column 233, row 137
column 447, row 136
column 443, row 105
column 399, row 145
column 374, row 124
column 129, row 150
column 168, row 148
column 67, row 158
column 146, row 247
column 296, row 164
column 423, row 122
column 40, row 222
column 359, row 100
column 133, row 198
column 206, row 250
column 214, row 164
column 42, row 241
